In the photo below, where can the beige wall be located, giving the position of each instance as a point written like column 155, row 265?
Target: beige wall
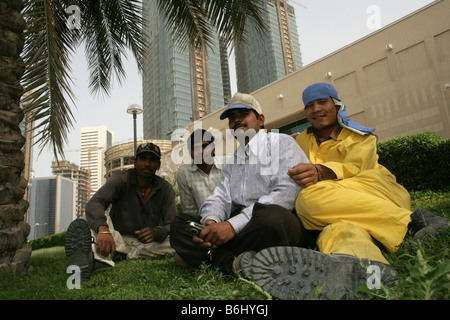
column 398, row 92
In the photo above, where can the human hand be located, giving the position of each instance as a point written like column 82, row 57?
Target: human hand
column 215, row 234
column 304, row 174
column 145, row 235
column 105, row 242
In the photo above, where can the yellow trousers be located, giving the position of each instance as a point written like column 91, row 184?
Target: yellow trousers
column 352, row 212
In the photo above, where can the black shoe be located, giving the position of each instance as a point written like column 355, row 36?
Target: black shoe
column 425, row 223
column 119, row 256
column 293, row 273
column 78, row 247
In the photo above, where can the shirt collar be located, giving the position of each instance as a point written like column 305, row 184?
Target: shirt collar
column 333, row 136
column 156, row 181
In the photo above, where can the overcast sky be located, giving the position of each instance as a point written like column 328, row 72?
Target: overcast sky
column 324, row 26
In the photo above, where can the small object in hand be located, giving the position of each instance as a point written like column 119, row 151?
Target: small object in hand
column 194, row 228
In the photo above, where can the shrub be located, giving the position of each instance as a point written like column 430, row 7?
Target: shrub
column 47, row 242
column 419, row 162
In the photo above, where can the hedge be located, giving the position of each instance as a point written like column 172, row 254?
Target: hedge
column 419, row 162
column 53, row 240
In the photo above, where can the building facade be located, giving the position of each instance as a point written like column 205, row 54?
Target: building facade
column 180, row 84
column 93, row 144
column 52, row 206
column 80, row 176
column 270, row 56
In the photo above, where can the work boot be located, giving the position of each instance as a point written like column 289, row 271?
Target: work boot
column 425, row 223
column 78, row 247
column 293, row 273
column 242, row 265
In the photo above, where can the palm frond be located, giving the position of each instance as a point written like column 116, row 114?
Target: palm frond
column 232, row 18
column 196, row 21
column 108, row 27
column 47, row 50
column 102, row 52
column 187, row 20
column 131, row 22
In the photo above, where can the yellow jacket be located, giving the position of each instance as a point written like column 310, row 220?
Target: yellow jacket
column 365, row 199
column 350, row 154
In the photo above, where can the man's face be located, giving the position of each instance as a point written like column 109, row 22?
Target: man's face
column 244, row 119
column 322, row 114
column 147, row 164
column 203, row 151
column 245, row 124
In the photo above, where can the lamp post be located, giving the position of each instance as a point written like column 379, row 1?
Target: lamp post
column 134, row 109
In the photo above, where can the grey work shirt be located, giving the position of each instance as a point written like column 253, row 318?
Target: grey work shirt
column 128, row 212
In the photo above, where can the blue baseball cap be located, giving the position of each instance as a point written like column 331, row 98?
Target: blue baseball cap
column 319, row 91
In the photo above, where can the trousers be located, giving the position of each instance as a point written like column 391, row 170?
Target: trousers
column 131, row 246
column 352, row 213
column 270, row 225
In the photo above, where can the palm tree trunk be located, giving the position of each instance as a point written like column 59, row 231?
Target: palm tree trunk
column 15, row 252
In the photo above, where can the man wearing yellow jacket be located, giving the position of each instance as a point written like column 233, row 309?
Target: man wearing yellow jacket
column 350, row 198
column 357, row 199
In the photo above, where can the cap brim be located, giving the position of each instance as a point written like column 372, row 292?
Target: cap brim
column 224, row 114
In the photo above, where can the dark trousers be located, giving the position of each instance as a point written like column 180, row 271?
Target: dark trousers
column 270, row 225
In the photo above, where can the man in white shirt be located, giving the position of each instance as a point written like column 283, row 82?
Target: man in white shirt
column 252, row 208
column 197, row 181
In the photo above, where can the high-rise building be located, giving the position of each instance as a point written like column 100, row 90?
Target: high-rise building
column 80, row 176
column 94, row 142
column 270, row 56
column 180, row 84
column 52, row 205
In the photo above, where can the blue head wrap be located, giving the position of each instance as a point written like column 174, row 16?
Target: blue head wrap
column 324, row 91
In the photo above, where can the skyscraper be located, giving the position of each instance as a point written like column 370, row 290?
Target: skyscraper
column 269, row 57
column 94, row 142
column 180, row 85
column 80, row 176
column 52, row 205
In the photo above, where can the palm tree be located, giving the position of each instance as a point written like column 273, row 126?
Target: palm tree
column 37, row 39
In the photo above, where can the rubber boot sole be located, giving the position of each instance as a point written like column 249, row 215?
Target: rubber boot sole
column 293, row 273
column 78, row 247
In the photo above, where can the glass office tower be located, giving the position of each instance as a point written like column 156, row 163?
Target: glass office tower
column 180, row 85
column 273, row 55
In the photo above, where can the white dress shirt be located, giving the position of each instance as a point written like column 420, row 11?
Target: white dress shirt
column 255, row 173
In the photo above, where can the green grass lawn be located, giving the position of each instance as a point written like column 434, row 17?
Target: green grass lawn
column 424, row 273
column 156, row 279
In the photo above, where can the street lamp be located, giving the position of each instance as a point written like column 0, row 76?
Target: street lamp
column 134, row 109
column 36, row 226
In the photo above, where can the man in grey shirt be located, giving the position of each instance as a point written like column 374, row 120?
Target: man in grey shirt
column 129, row 216
column 197, row 180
